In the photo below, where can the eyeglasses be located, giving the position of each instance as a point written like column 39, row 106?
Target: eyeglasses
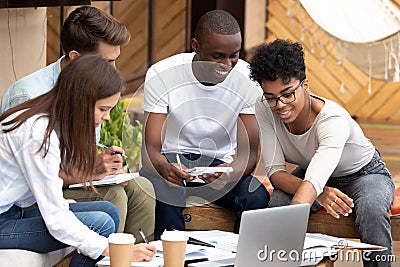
column 285, row 98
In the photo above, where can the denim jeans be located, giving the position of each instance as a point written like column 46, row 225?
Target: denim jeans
column 372, row 191
column 135, row 202
column 25, row 228
column 247, row 194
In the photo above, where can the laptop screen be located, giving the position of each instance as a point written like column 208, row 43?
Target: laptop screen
column 272, row 236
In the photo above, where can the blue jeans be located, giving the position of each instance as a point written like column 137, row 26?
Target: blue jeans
column 247, row 194
column 372, row 191
column 25, row 228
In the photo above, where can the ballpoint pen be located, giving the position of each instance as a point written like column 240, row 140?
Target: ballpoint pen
column 106, row 147
column 195, row 241
column 178, row 160
column 143, row 236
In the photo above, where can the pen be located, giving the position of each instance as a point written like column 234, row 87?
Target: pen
column 194, row 241
column 178, row 160
column 105, row 147
column 143, row 236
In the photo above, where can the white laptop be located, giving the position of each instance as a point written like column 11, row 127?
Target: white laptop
column 268, row 237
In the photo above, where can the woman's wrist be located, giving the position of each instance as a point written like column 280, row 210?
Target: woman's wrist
column 105, row 252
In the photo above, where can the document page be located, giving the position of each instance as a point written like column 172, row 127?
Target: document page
column 219, row 239
column 206, row 170
column 321, row 240
column 109, row 180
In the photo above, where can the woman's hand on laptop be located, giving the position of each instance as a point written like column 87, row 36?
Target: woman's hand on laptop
column 335, row 202
column 143, row 252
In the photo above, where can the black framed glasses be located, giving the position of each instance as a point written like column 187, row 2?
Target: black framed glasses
column 285, row 98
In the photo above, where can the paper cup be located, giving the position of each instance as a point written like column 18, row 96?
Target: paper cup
column 121, row 249
column 174, row 248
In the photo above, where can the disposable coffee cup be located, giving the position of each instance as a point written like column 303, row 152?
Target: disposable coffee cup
column 174, row 248
column 121, row 249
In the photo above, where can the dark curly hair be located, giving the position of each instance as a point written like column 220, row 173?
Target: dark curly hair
column 282, row 59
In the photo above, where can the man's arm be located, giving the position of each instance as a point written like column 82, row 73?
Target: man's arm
column 152, row 159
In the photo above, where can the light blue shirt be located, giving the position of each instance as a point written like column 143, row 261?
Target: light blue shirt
column 31, row 86
column 28, row 178
column 34, row 85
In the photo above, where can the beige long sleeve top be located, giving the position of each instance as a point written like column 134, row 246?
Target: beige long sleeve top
column 334, row 146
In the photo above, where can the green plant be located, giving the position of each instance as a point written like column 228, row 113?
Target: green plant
column 118, row 131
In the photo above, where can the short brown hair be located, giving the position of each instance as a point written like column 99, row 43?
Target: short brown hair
column 87, row 26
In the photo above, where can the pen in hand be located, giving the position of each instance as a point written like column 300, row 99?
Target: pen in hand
column 178, row 160
column 143, row 236
column 106, row 147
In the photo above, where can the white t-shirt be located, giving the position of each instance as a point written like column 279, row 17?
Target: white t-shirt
column 201, row 119
column 334, row 145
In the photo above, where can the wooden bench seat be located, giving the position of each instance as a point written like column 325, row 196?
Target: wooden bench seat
column 209, row 216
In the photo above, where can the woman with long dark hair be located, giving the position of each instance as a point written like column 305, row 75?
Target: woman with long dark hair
column 52, row 134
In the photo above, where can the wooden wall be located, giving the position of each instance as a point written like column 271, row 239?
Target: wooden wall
column 170, row 36
column 382, row 105
column 169, row 33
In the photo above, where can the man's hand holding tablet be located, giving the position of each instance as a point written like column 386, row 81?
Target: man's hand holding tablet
column 198, row 171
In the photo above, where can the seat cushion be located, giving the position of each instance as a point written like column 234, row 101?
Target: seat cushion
column 22, row 258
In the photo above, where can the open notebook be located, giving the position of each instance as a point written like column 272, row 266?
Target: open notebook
column 109, row 180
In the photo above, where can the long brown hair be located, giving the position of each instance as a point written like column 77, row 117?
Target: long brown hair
column 70, row 107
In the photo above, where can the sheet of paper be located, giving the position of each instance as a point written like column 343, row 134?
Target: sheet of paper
column 313, row 256
column 201, row 170
column 220, row 239
column 193, row 252
column 110, row 179
column 156, row 262
column 321, row 240
column 204, row 170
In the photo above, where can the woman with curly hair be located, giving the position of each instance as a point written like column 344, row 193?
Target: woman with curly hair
column 339, row 169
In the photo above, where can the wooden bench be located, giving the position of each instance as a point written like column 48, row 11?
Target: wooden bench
column 202, row 215
column 209, row 216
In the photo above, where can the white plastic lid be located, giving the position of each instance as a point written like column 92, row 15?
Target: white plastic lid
column 174, row 236
column 121, row 238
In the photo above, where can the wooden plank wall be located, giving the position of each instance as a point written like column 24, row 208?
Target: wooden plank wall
column 169, row 32
column 382, row 105
column 169, row 37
